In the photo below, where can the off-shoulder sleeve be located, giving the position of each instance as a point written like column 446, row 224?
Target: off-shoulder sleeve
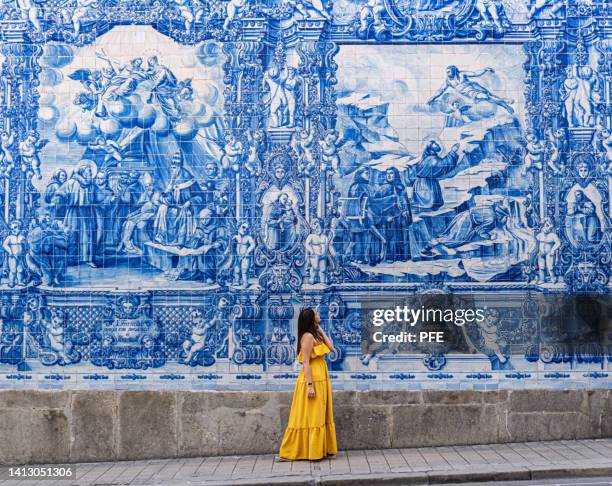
column 320, row 349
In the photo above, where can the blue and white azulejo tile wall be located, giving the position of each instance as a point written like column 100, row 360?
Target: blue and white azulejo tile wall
column 179, row 177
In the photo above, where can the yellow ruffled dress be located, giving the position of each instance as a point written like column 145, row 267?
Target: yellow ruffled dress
column 311, row 433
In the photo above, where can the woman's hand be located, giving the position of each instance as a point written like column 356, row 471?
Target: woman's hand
column 321, row 331
column 311, row 391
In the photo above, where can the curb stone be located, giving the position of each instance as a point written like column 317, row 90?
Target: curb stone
column 589, row 471
column 439, row 477
column 405, row 479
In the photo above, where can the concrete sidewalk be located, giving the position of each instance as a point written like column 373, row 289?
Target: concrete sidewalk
column 431, row 465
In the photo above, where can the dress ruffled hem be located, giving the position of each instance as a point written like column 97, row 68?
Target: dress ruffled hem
column 311, row 443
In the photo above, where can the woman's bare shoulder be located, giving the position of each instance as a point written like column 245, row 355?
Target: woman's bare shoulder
column 307, row 338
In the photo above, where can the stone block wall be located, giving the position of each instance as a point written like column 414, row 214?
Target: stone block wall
column 82, row 426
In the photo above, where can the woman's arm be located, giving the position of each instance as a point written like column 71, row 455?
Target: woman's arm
column 306, row 348
column 326, row 340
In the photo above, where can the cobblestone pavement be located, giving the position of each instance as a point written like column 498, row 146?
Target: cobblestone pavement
column 428, row 465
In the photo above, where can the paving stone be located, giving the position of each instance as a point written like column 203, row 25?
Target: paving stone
column 434, row 459
column 394, row 458
column 340, row 464
column 498, row 462
column 415, row 459
column 377, row 461
column 358, row 462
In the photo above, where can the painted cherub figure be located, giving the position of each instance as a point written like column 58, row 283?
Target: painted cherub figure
column 371, row 14
column 82, row 9
column 491, row 12
column 30, row 10
column 558, row 142
column 232, row 153
column 57, row 339
column 538, row 5
column 234, row 8
column 7, row 139
column 197, row 340
column 15, row 245
column 191, row 11
column 311, row 9
column 318, row 250
column 28, row 150
column 303, row 143
column 255, row 146
column 602, row 142
column 242, row 259
column 109, row 149
column 329, row 150
column 488, row 331
column 534, row 154
column 548, row 246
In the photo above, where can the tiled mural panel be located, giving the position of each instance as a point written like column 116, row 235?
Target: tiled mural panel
column 178, row 178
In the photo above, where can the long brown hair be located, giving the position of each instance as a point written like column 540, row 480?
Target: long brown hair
column 307, row 323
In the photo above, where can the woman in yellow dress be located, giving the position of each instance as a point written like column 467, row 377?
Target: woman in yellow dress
column 311, row 433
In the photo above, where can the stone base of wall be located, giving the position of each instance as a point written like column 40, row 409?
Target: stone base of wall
column 79, row 426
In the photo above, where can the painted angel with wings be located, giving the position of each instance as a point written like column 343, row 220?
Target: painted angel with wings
column 303, row 143
column 28, row 150
column 93, row 98
column 7, row 139
column 106, row 149
column 121, row 80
